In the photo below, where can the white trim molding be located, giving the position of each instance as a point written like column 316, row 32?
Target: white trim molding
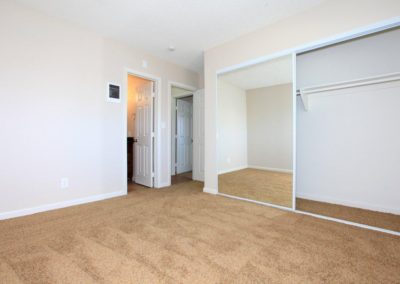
column 306, row 93
column 157, row 122
column 294, row 128
column 233, row 170
column 162, row 185
column 59, row 205
column 191, row 89
column 288, row 171
column 352, row 34
column 210, row 190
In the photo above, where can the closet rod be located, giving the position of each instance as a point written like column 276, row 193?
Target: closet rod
column 379, row 79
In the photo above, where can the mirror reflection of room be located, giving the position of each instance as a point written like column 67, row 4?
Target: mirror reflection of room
column 255, row 132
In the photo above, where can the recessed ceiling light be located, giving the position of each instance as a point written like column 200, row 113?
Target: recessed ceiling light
column 171, row 47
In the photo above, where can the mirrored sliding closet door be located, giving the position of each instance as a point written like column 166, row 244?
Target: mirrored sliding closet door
column 255, row 132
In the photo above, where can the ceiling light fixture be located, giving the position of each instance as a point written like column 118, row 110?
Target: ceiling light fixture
column 171, row 48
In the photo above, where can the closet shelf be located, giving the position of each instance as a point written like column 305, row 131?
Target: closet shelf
column 306, row 93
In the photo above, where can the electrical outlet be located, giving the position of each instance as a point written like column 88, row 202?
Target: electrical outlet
column 64, row 183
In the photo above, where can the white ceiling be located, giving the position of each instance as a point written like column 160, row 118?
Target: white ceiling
column 274, row 72
column 192, row 26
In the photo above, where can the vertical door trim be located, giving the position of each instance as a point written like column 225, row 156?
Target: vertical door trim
column 171, row 84
column 294, row 129
column 188, row 114
column 198, row 133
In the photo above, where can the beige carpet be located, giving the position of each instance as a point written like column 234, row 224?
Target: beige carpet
column 367, row 217
column 181, row 235
column 259, row 185
column 180, row 178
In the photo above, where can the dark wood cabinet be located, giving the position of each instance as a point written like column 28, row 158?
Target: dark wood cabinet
column 130, row 158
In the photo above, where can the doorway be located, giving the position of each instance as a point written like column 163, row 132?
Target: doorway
column 181, row 135
column 140, row 131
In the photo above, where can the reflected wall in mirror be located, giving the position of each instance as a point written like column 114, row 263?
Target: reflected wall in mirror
column 255, row 132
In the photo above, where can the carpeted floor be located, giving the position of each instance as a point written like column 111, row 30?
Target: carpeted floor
column 362, row 216
column 180, row 178
column 181, row 235
column 259, row 185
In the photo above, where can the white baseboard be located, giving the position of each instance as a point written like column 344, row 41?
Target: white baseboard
column 271, row 169
column 59, row 205
column 232, row 170
column 163, row 184
column 355, row 204
column 210, row 190
column 198, row 176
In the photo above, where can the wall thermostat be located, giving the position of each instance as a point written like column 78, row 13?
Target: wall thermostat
column 114, row 93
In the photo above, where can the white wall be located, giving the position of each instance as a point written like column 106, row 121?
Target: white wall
column 232, row 127
column 54, row 116
column 325, row 21
column 347, row 143
column 370, row 56
column 348, row 148
column 269, row 127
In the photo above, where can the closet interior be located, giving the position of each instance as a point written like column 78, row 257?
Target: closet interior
column 348, row 135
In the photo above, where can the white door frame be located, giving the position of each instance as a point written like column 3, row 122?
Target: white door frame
column 198, row 136
column 173, row 144
column 169, row 118
column 156, row 121
column 188, row 133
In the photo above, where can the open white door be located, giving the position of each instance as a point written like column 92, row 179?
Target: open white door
column 143, row 145
column 184, row 126
column 198, row 135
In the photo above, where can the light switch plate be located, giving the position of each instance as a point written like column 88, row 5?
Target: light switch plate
column 64, row 183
